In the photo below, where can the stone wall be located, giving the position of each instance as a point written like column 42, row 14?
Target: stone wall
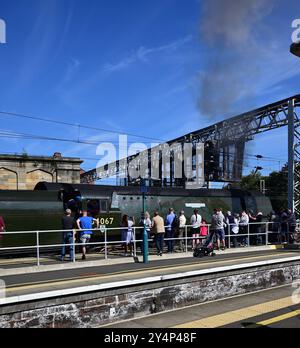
column 24, row 172
column 8, row 179
column 99, row 308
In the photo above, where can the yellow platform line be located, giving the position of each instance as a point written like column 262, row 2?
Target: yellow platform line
column 277, row 319
column 45, row 259
column 24, row 262
column 72, row 280
column 240, row 314
column 280, row 318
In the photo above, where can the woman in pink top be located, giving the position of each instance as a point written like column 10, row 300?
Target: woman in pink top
column 203, row 229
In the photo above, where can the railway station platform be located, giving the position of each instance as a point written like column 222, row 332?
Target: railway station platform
column 270, row 308
column 98, row 292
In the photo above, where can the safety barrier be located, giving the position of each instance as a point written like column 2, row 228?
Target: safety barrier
column 265, row 230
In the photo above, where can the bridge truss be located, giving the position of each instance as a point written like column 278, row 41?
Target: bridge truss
column 229, row 138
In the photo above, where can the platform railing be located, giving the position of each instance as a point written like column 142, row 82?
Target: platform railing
column 104, row 232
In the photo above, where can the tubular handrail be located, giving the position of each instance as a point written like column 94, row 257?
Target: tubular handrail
column 182, row 238
column 123, row 228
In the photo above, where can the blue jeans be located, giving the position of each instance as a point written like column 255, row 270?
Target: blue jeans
column 159, row 241
column 67, row 239
column 170, row 243
column 244, row 239
column 220, row 233
column 210, row 238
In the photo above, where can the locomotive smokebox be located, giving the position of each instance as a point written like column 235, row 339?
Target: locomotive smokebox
column 295, row 49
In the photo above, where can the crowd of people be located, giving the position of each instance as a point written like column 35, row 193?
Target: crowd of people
column 245, row 228
column 164, row 229
column 171, row 228
column 283, row 224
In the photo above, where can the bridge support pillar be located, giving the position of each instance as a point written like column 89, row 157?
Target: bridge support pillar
column 291, row 164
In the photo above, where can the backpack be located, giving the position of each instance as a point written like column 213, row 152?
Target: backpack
column 204, row 250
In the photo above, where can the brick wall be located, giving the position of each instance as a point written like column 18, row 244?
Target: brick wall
column 99, row 308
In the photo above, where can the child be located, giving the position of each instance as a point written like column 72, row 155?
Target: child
column 203, row 230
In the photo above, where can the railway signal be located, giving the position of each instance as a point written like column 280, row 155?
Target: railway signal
column 211, row 160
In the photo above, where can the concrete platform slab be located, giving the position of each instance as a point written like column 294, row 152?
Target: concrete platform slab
column 49, row 264
column 238, row 310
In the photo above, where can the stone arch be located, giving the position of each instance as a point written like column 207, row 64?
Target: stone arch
column 8, row 179
column 35, row 176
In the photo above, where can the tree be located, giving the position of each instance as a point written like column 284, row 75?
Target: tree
column 276, row 186
column 251, row 182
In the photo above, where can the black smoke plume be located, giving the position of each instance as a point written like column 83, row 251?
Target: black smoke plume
column 230, row 35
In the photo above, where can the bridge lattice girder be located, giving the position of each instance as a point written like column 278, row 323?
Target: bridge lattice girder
column 229, row 136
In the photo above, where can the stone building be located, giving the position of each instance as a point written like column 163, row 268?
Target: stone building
column 23, row 172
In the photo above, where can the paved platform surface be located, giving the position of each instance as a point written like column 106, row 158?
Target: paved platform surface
column 13, row 266
column 272, row 308
column 81, row 274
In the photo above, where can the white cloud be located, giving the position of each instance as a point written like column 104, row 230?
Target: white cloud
column 142, row 54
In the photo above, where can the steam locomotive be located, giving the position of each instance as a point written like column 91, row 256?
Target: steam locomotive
column 43, row 208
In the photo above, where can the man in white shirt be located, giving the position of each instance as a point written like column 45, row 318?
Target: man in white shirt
column 182, row 224
column 243, row 225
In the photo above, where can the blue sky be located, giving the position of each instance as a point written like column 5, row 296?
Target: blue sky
column 138, row 67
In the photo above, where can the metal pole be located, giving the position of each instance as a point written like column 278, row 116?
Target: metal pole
column 145, row 234
column 38, row 248
column 74, row 247
column 134, row 242
column 186, row 241
column 228, row 236
column 291, row 148
column 267, row 233
column 105, row 244
column 248, row 235
column 145, row 245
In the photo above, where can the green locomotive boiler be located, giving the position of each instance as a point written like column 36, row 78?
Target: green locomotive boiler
column 43, row 208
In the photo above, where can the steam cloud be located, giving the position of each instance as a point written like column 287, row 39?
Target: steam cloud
column 229, row 31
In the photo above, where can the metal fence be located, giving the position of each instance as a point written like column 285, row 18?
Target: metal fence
column 263, row 231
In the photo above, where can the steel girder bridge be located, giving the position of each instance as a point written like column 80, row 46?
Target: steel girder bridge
column 229, row 138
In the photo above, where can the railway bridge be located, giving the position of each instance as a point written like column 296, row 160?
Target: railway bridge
column 228, row 139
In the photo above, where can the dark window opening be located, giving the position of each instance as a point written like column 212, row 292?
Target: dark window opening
column 97, row 206
column 103, row 206
column 93, row 207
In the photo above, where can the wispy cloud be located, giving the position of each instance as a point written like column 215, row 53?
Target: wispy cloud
column 142, row 54
column 71, row 70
